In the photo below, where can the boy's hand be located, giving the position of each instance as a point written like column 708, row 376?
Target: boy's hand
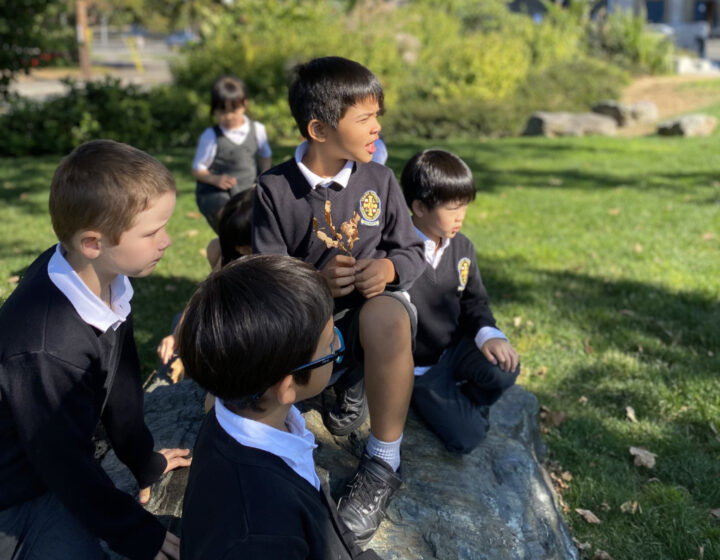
column 225, row 182
column 501, row 352
column 170, row 548
column 176, row 458
column 166, row 348
column 339, row 274
column 372, row 275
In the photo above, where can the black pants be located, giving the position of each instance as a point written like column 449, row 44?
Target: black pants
column 453, row 397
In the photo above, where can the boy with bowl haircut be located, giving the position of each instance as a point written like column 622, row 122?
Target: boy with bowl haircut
column 334, row 209
column 463, row 363
column 259, row 335
column 68, row 361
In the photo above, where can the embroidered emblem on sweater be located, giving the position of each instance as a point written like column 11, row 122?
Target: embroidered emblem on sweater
column 463, row 267
column 370, row 208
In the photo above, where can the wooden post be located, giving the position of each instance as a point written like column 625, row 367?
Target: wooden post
column 82, row 38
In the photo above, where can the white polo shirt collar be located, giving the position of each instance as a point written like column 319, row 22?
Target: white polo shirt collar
column 431, row 256
column 294, row 448
column 91, row 308
column 342, row 177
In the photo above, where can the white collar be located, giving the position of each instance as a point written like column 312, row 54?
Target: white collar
column 342, row 177
column 295, row 447
column 432, row 257
column 241, row 130
column 91, row 308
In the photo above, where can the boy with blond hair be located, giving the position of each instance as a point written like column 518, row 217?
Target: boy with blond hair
column 336, row 210
column 68, row 361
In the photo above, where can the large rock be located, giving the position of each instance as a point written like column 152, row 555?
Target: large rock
column 543, row 123
column 495, row 503
column 621, row 113
column 689, row 125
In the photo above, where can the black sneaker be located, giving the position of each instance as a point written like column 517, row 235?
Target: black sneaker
column 349, row 411
column 370, row 492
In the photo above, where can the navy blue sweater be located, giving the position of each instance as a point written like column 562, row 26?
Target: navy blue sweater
column 53, row 376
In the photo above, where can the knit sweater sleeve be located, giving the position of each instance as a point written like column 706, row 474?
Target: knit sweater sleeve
column 475, row 310
column 400, row 241
column 124, row 420
column 267, row 235
column 52, row 403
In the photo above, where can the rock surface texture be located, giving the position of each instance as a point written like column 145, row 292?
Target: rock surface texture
column 550, row 124
column 495, row 503
column 627, row 114
column 689, row 125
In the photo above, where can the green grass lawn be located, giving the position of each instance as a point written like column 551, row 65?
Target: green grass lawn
column 601, row 259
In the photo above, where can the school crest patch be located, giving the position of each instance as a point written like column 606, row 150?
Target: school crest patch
column 463, row 268
column 370, row 208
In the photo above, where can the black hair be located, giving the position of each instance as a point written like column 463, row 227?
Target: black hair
column 325, row 88
column 228, row 92
column 235, row 225
column 251, row 323
column 437, row 176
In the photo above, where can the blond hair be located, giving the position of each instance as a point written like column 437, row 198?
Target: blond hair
column 102, row 185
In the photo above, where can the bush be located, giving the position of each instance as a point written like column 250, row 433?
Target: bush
column 161, row 118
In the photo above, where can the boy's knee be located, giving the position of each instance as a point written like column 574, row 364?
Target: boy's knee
column 384, row 318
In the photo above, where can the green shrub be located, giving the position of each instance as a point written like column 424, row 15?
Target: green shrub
column 161, row 118
column 622, row 38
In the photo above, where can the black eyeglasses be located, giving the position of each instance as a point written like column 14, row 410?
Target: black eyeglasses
column 334, row 356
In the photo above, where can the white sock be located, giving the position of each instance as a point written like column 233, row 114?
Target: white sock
column 387, row 451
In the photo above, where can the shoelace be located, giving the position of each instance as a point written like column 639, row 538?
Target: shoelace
column 365, row 492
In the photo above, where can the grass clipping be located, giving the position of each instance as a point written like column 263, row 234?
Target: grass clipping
column 345, row 238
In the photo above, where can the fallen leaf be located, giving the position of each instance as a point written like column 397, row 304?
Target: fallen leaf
column 553, row 418
column 13, row 280
column 530, row 324
column 701, row 552
column 715, row 513
column 581, row 546
column 630, row 414
column 566, row 476
column 203, row 252
column 638, row 248
column 708, row 236
column 168, row 159
column 627, row 312
column 541, row 372
column 605, row 506
column 716, row 184
column 24, row 196
column 192, row 232
column 601, row 555
column 587, row 347
column 614, row 211
column 193, row 215
column 556, row 181
column 517, row 321
column 588, row 515
column 483, row 215
column 583, row 400
column 643, row 457
column 629, row 507
column 8, row 185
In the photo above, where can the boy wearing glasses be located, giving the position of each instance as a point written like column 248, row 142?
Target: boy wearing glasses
column 259, row 335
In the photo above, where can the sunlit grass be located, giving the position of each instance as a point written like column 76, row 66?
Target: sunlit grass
column 601, row 259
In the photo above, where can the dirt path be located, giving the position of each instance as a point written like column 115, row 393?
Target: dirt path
column 672, row 95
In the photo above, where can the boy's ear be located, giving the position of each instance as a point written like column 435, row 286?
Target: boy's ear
column 88, row 243
column 418, row 208
column 285, row 390
column 317, row 130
